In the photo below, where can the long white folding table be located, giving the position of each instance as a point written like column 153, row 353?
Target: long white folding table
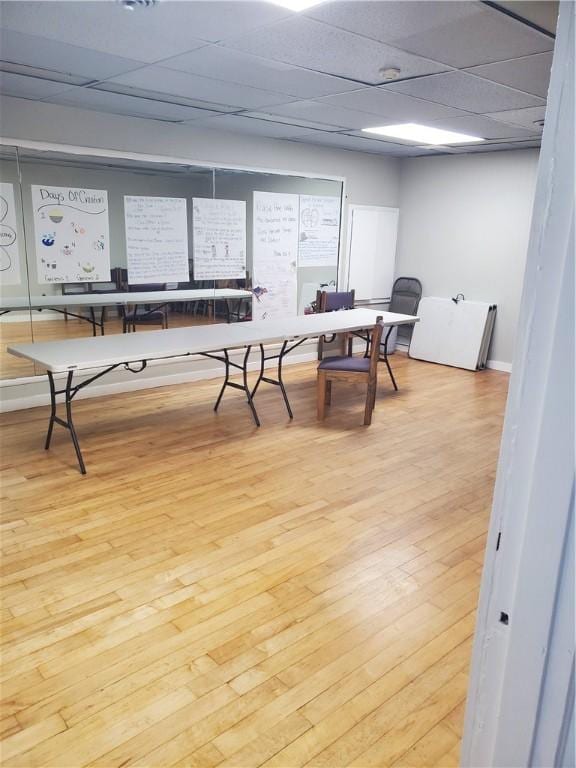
column 133, row 352
column 63, row 303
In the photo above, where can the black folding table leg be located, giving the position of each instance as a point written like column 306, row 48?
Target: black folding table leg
column 68, row 393
column 280, row 382
column 52, row 410
column 226, row 378
column 261, row 374
column 247, row 388
column 73, row 434
column 93, row 320
column 386, row 358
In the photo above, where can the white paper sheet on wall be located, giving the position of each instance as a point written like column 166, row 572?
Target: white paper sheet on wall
column 156, row 239
column 219, row 228
column 72, row 234
column 319, row 231
column 9, row 245
column 275, row 249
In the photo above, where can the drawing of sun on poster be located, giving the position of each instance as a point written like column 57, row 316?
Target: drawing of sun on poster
column 72, row 234
column 319, row 231
column 9, row 247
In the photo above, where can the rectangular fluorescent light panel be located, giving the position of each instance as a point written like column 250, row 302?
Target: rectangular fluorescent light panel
column 422, row 134
column 297, row 5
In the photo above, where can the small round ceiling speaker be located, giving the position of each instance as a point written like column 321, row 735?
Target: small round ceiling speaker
column 389, row 73
column 131, row 5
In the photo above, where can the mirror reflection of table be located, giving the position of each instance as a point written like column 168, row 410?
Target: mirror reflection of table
column 65, row 304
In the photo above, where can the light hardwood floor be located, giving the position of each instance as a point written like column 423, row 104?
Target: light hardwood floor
column 211, row 594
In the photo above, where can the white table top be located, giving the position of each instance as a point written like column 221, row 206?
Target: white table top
column 111, row 299
column 104, row 351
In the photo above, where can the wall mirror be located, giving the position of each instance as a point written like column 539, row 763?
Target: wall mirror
column 110, row 245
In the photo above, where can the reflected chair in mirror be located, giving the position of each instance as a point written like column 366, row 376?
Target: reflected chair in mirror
column 333, row 301
column 351, row 369
column 236, row 310
column 73, row 289
column 147, row 314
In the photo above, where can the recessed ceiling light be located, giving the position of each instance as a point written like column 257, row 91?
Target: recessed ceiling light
column 422, row 134
column 297, row 5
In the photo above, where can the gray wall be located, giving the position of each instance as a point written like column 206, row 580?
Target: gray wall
column 371, row 180
column 464, row 226
column 464, row 220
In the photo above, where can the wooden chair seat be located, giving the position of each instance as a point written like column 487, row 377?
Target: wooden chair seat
column 348, row 368
column 346, row 363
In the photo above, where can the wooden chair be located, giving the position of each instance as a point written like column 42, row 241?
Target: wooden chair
column 332, row 301
column 351, row 369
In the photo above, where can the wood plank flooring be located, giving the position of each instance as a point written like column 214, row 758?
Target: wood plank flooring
column 211, row 594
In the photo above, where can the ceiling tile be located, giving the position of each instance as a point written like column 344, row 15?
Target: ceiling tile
column 252, row 126
column 464, row 91
column 395, row 19
column 355, row 143
column 530, row 73
column 120, row 104
column 307, row 43
column 297, row 121
column 167, row 28
column 544, row 13
column 391, row 106
column 171, row 81
column 245, row 69
column 496, row 146
column 29, row 87
column 328, row 114
column 479, row 38
column 524, row 117
column 484, row 127
column 60, row 57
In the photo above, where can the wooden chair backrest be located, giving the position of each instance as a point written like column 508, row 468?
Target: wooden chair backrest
column 375, row 339
column 329, row 301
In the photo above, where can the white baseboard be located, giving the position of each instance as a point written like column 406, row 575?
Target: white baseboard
column 495, row 365
column 498, row 365
column 32, row 391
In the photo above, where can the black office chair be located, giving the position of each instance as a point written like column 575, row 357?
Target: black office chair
column 406, row 295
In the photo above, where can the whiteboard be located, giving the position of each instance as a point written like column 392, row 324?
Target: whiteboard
column 156, row 239
column 219, row 241
column 372, row 235
column 275, row 255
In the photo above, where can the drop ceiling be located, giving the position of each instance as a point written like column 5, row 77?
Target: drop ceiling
column 255, row 68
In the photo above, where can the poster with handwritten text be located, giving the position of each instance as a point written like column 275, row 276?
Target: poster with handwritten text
column 275, row 246
column 319, row 231
column 219, row 228
column 156, row 239
column 9, row 246
column 71, row 234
